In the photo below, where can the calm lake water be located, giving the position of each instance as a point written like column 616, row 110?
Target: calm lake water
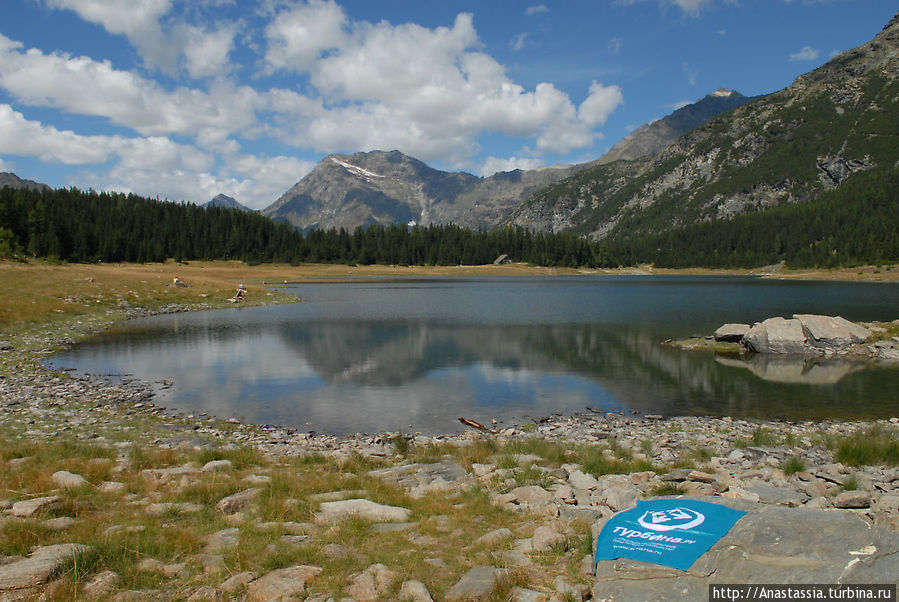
column 416, row 354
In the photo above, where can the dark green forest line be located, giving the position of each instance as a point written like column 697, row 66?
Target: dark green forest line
column 856, row 224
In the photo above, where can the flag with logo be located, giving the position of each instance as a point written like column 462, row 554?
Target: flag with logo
column 671, row 532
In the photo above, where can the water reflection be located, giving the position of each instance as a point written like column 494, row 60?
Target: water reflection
column 360, row 376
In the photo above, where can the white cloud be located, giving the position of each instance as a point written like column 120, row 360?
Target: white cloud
column 599, row 104
column 679, row 104
column 137, row 20
column 299, row 35
column 807, row 53
column 615, row 45
column 536, row 10
column 493, row 165
column 23, row 137
column 692, row 7
column 518, row 42
column 206, row 53
column 82, row 86
column 691, row 72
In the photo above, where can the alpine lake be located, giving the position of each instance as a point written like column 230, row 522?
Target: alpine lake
column 415, row 354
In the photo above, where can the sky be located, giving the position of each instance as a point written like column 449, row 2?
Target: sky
column 186, row 99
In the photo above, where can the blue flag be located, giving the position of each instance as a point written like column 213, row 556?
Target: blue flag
column 671, row 532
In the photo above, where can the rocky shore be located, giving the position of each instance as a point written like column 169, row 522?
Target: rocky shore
column 504, row 515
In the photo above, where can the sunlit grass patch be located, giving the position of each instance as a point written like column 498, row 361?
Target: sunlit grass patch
column 792, row 465
column 876, row 445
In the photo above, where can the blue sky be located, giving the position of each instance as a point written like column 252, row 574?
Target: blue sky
column 186, row 99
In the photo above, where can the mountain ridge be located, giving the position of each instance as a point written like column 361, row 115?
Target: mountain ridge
column 789, row 146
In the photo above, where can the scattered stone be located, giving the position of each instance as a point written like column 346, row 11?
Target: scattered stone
column 282, row 583
column 414, row 591
column 216, row 465
column 237, row 502
column 59, row 524
column 28, row 508
column 621, row 497
column 771, row 494
column 373, row 583
column 101, row 585
column 68, row 480
column 853, row 499
column 476, row 585
column 546, row 538
column 38, row 567
column 112, row 487
column 237, row 582
column 221, row 541
column 520, row 594
column 578, row 592
column 206, row 593
column 580, row 480
column 494, row 537
column 365, row 509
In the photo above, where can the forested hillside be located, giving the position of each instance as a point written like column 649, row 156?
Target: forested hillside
column 77, row 226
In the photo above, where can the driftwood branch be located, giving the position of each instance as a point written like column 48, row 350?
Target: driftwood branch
column 476, row 425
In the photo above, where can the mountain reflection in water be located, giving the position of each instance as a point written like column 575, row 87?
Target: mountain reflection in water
column 391, row 358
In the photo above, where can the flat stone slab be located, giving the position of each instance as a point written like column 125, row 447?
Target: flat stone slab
column 420, row 479
column 282, row 583
column 28, row 508
column 772, row 494
column 770, row 544
column 836, row 332
column 476, row 585
column 732, row 333
column 366, row 509
column 38, row 567
column 237, row 502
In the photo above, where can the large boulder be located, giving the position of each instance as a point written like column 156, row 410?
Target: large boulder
column 777, row 335
column 732, row 333
column 770, row 544
column 829, row 332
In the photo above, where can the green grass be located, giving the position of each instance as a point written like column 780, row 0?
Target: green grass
column 792, row 465
column 876, row 445
column 667, row 488
column 761, row 437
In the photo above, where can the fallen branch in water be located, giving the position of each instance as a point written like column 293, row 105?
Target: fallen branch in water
column 476, row 425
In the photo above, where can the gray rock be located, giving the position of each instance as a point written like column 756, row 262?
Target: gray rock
column 731, row 333
column 237, row 502
column 68, row 480
column 577, row 592
column 238, row 581
column 581, row 480
column 112, row 487
column 391, row 527
column 831, row 332
column 207, row 592
column 494, row 538
column 476, row 585
column 59, row 524
column 282, row 583
column 777, row 335
column 532, row 497
column 221, row 541
column 414, row 591
column 771, row 494
column 101, row 585
column 520, row 594
column 38, row 567
column 770, row 544
column 28, row 508
column 422, row 479
column 372, row 584
column 546, row 538
column 366, row 509
column 216, row 465
column 853, row 499
column 621, row 497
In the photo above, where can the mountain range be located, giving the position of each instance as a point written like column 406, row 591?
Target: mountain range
column 390, row 187
column 837, row 122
